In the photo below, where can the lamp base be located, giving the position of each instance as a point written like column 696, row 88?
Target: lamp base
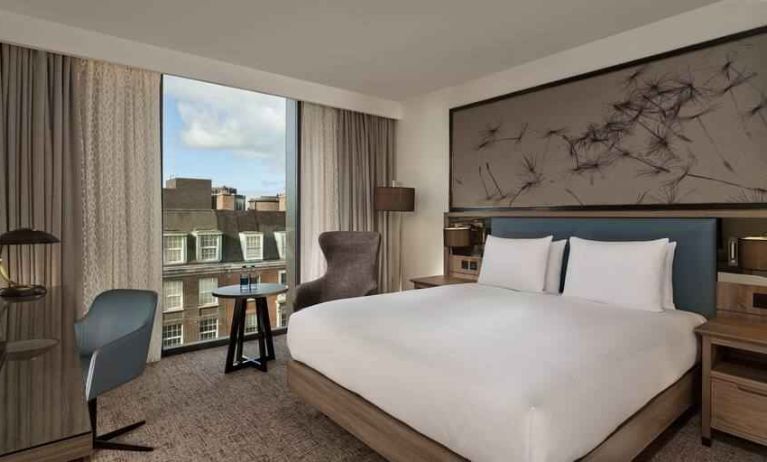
column 23, row 291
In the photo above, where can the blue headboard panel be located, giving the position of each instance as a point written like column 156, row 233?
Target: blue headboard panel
column 694, row 261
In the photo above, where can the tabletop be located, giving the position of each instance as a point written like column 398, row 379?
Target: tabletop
column 254, row 291
column 41, row 387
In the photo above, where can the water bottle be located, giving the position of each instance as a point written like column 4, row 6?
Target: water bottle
column 244, row 280
column 252, row 277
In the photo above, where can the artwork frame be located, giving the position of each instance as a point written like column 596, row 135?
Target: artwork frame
column 760, row 204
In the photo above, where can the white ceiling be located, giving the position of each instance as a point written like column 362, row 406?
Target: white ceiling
column 388, row 48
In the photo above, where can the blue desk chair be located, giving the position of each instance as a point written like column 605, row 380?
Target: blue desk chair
column 113, row 340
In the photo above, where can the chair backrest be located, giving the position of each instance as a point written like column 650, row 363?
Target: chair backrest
column 118, row 312
column 352, row 258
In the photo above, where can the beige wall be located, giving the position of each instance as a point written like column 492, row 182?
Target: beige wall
column 422, row 137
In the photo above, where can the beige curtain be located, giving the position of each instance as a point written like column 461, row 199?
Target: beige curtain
column 41, row 153
column 40, row 158
column 122, row 216
column 344, row 156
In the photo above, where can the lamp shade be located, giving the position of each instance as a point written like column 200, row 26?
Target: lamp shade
column 457, row 236
column 394, row 199
column 27, row 236
column 752, row 253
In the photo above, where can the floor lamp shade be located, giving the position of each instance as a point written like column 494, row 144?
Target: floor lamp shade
column 394, row 199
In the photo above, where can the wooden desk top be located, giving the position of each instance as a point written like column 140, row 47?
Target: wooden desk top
column 42, row 398
column 736, row 329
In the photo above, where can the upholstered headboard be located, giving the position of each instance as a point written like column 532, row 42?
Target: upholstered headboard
column 694, row 261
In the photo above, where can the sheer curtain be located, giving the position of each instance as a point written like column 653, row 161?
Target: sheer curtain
column 344, row 156
column 122, row 212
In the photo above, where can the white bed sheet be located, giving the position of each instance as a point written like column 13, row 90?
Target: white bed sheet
column 494, row 374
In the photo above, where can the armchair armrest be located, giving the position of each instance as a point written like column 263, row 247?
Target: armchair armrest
column 308, row 294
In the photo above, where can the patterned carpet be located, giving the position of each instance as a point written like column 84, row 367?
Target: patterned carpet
column 196, row 413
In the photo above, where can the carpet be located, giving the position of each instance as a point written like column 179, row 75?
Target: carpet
column 196, row 413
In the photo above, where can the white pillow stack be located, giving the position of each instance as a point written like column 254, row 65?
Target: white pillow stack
column 518, row 264
column 626, row 274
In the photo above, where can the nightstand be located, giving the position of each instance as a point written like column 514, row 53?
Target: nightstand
column 434, row 281
column 734, row 378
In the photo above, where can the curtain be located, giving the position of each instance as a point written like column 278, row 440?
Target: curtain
column 40, row 159
column 122, row 211
column 41, row 153
column 344, row 156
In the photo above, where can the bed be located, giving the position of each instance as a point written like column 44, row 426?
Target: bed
column 484, row 373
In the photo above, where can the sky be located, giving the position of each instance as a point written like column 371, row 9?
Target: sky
column 234, row 137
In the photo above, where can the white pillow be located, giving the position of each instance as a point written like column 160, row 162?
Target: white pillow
column 518, row 264
column 554, row 266
column 626, row 274
column 668, row 278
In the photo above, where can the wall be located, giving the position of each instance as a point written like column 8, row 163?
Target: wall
column 37, row 33
column 422, row 138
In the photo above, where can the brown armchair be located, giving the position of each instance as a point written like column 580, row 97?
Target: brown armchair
column 352, row 258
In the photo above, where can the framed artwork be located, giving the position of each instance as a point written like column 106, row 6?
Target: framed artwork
column 685, row 129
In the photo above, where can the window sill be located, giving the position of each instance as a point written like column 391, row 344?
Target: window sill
column 173, row 310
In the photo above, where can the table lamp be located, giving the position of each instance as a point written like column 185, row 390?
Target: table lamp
column 752, row 252
column 22, row 236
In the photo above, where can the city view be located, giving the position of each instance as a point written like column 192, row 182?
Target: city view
column 224, row 205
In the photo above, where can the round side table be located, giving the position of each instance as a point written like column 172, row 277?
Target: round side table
column 235, row 360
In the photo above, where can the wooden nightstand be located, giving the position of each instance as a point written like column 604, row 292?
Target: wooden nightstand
column 734, row 378
column 434, row 281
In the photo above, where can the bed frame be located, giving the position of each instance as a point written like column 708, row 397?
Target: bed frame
column 397, row 442
column 694, row 290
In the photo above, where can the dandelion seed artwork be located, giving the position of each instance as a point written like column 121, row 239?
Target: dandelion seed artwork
column 689, row 129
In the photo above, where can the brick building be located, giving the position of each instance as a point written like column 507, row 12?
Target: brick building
column 208, row 237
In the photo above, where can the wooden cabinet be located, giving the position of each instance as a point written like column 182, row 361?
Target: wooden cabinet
column 734, row 378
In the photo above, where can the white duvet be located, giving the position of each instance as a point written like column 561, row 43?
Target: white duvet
column 494, row 374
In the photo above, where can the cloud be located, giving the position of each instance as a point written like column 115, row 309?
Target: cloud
column 215, row 117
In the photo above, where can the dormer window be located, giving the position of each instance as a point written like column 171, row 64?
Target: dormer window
column 252, row 243
column 174, row 248
column 280, row 238
column 208, row 246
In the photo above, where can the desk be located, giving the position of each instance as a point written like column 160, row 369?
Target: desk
column 234, row 357
column 43, row 414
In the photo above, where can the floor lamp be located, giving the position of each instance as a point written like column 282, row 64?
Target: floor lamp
column 395, row 199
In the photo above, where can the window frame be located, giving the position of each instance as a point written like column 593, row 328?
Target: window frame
column 251, row 329
column 180, row 335
column 183, row 237
column 199, row 236
column 168, row 282
column 244, row 235
column 200, row 293
column 281, row 240
column 200, row 331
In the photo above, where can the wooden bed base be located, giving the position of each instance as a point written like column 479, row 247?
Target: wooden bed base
column 396, row 441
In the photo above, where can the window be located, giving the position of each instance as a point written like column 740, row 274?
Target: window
column 173, row 292
column 251, row 324
column 174, row 248
column 252, row 243
column 223, row 209
column 283, row 277
column 282, row 312
column 206, row 287
column 281, row 240
column 208, row 328
column 172, row 334
column 208, row 246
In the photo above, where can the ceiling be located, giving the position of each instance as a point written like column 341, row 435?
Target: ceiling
column 392, row 48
